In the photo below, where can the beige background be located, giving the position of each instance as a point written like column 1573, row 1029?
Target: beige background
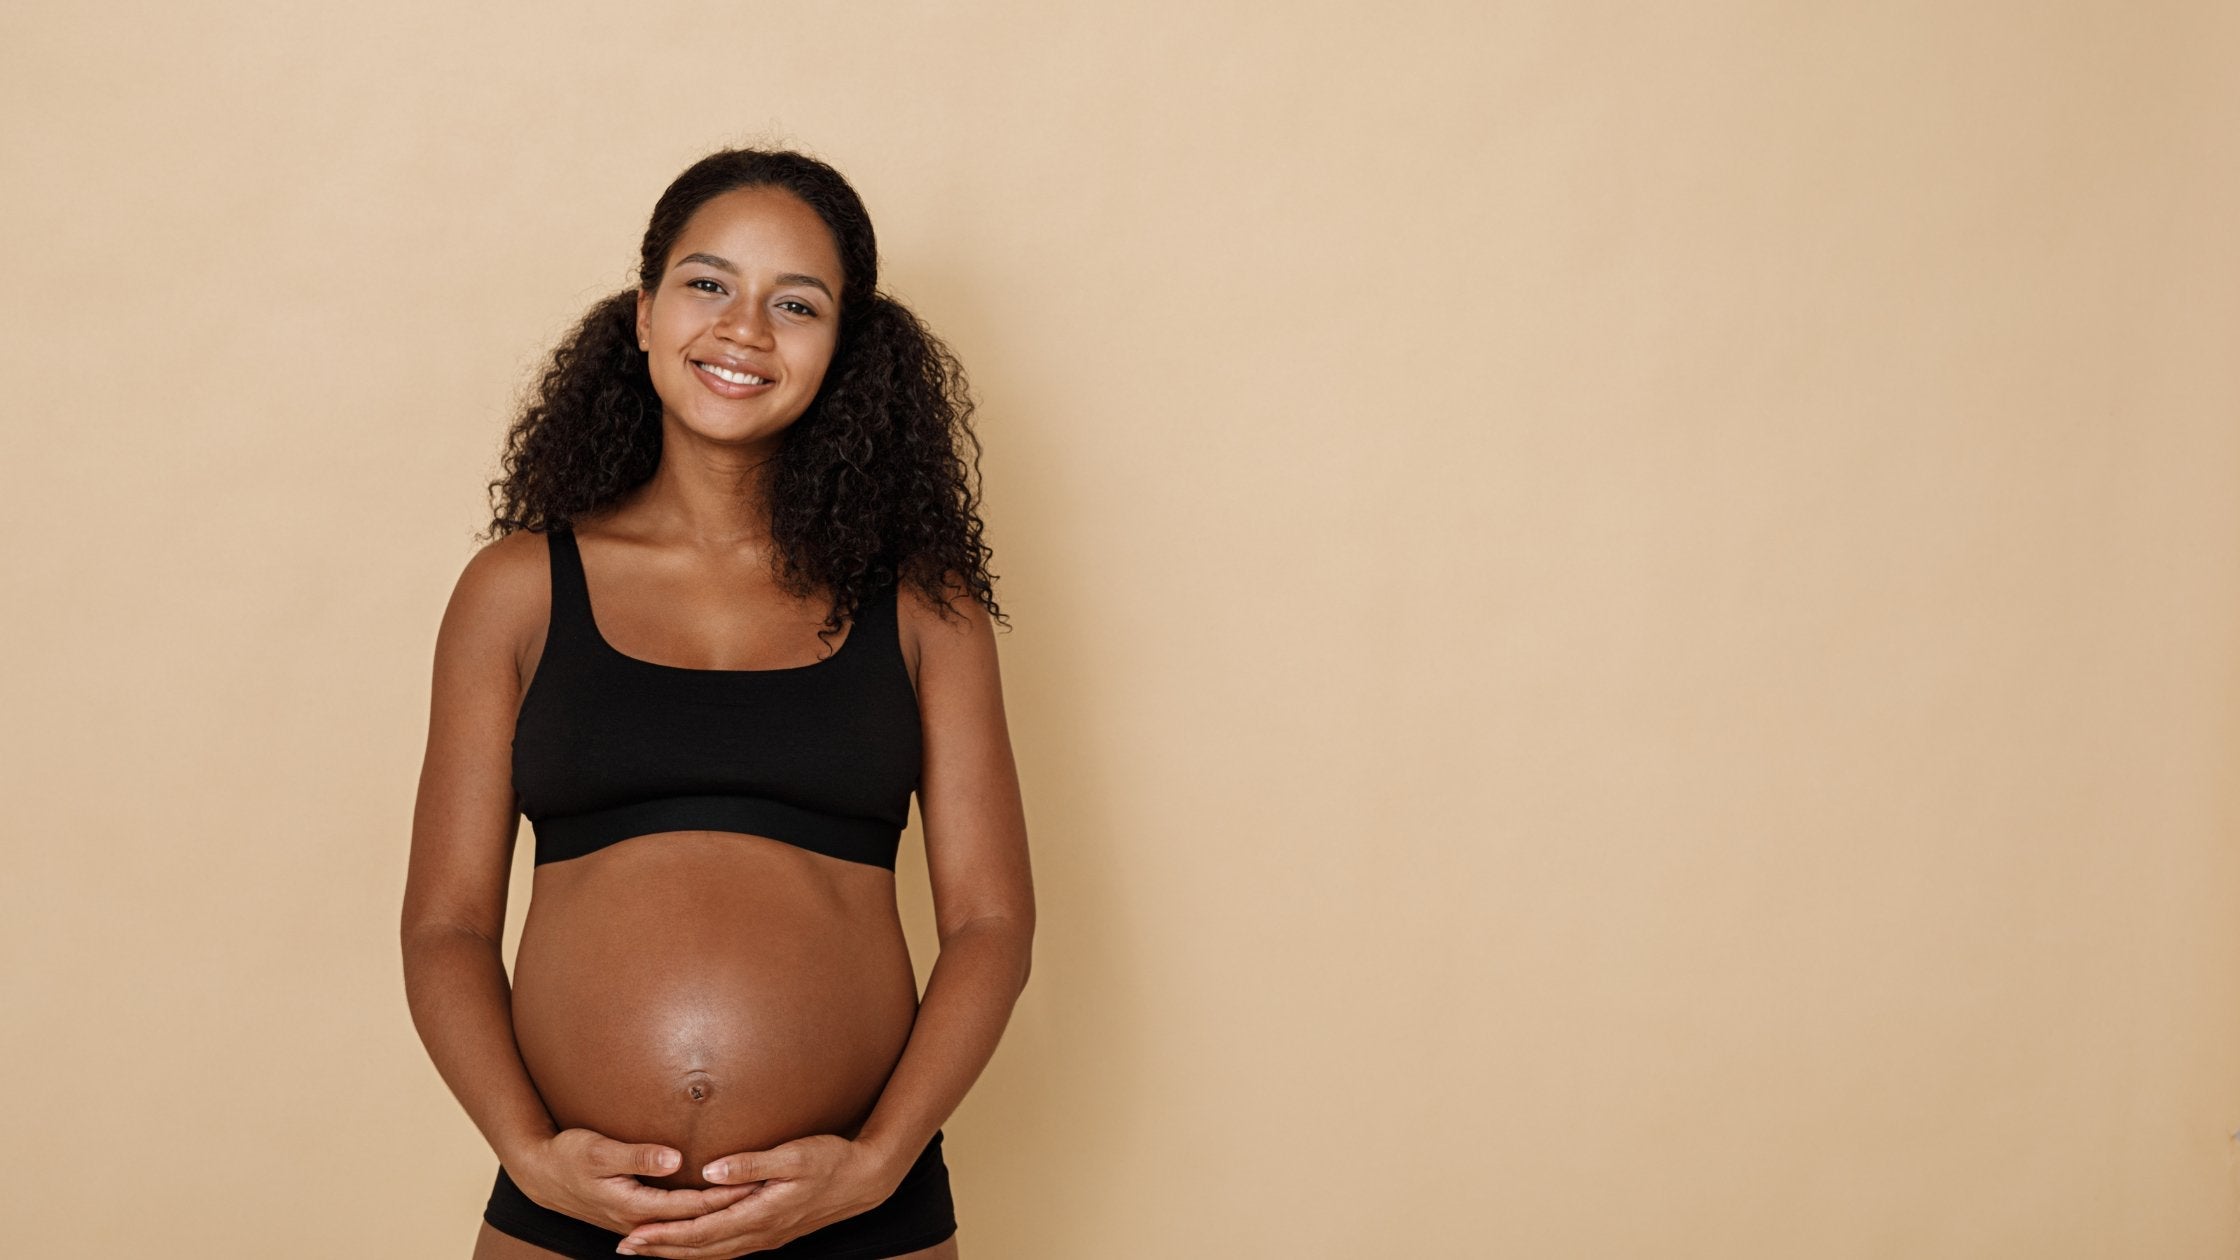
column 1625, row 614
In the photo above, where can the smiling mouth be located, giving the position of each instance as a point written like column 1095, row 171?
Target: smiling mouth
column 726, row 374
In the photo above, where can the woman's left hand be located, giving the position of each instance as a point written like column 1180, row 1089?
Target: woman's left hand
column 807, row 1184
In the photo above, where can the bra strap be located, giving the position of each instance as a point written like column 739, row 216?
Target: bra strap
column 880, row 617
column 571, row 597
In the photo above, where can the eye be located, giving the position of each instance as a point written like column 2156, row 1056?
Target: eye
column 703, row 280
column 805, row 308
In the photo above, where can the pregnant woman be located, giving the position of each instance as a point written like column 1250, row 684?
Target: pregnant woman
column 736, row 611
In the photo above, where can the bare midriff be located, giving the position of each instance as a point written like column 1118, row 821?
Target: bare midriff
column 711, row 991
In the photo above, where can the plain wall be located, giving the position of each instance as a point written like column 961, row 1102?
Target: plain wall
column 1624, row 615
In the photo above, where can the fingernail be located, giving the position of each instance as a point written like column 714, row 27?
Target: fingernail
column 667, row 1159
column 712, row 1171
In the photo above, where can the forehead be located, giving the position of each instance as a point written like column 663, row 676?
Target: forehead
column 761, row 229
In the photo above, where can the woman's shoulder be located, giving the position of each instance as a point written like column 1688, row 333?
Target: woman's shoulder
column 503, row 593
column 507, row 564
column 929, row 626
column 914, row 605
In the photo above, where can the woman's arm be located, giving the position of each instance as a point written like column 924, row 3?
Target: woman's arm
column 463, row 827
column 983, row 887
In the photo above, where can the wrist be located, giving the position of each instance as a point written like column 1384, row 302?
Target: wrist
column 517, row 1149
column 890, row 1160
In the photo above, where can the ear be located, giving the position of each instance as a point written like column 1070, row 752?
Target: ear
column 645, row 320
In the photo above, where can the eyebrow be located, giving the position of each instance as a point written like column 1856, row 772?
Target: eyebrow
column 725, row 264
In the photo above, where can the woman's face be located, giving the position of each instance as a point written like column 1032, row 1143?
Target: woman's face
column 751, row 290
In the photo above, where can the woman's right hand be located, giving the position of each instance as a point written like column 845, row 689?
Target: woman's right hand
column 594, row 1178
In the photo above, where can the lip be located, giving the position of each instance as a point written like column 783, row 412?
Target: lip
column 727, row 389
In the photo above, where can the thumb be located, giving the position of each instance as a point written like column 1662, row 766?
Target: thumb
column 650, row 1158
column 779, row 1161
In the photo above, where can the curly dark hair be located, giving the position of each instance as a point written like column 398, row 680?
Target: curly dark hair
column 871, row 483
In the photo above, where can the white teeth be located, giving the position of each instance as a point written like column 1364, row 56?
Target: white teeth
column 736, row 378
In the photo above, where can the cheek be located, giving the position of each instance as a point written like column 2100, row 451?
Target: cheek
column 813, row 358
column 669, row 327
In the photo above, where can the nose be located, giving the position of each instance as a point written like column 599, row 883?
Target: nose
column 744, row 323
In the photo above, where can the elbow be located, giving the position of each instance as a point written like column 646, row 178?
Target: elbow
column 414, row 938
column 1011, row 934
column 1025, row 946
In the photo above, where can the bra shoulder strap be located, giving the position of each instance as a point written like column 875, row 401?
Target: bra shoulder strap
column 571, row 599
column 881, row 618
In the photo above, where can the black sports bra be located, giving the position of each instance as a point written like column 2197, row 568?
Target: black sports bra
column 607, row 746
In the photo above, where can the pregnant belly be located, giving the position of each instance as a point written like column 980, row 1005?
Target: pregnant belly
column 712, row 992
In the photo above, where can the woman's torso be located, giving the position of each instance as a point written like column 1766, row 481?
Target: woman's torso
column 712, row 957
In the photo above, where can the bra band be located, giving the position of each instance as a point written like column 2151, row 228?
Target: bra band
column 560, row 837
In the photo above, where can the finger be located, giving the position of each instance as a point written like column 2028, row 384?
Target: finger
column 778, row 1161
column 647, row 1158
column 649, row 1203
column 736, row 1248
column 725, row 1227
column 635, row 1245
